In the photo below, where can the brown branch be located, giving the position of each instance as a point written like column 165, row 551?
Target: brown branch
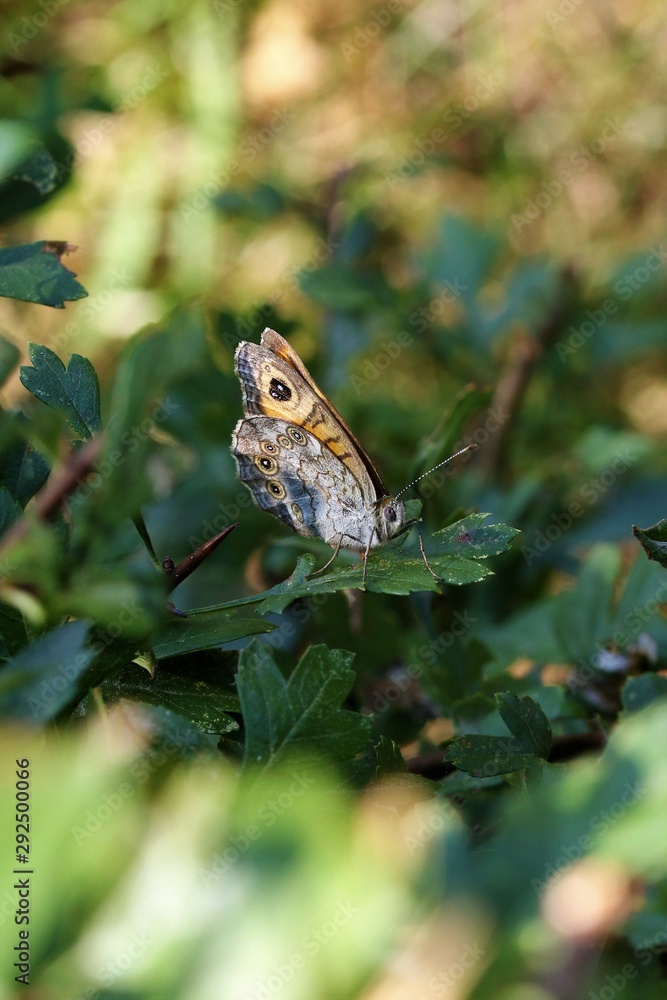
column 513, row 383
column 54, row 494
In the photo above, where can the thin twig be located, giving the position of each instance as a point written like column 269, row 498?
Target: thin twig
column 513, row 383
column 176, row 574
column 57, row 489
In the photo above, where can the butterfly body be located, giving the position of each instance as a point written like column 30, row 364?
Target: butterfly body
column 299, row 458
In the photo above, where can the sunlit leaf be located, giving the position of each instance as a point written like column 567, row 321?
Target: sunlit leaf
column 34, row 273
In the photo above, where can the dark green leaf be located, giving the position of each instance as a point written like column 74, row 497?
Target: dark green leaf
column 638, row 608
column 23, row 472
column 485, row 756
column 13, row 629
column 453, row 553
column 170, row 736
column 461, row 258
column 528, row 633
column 33, row 273
column 263, row 201
column 301, row 716
column 344, row 287
column 204, row 630
column 44, row 678
column 583, row 615
column 9, row 356
column 617, row 341
column 73, row 391
column 10, row 510
column 202, row 704
column 40, row 170
column 170, row 355
column 470, row 539
column 527, row 723
column 638, row 692
column 654, row 541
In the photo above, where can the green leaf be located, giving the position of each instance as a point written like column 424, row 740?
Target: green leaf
column 486, row 756
column 10, row 510
column 611, row 807
column 344, row 287
column 301, row 716
column 73, row 391
column 528, row 633
column 638, row 692
column 167, row 737
column 204, row 630
column 205, row 705
column 40, row 170
column 638, row 608
column 9, row 356
column 170, row 355
column 15, row 143
column 33, row 273
column 44, row 677
column 23, row 471
column 454, row 554
column 142, row 402
column 470, row 539
column 128, row 606
column 654, row 541
column 263, row 201
column 583, row 616
column 13, row 629
column 527, row 723
column 461, row 258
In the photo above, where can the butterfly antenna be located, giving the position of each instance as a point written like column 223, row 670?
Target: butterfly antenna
column 470, row 447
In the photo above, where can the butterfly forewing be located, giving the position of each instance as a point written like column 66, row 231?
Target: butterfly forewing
column 277, row 384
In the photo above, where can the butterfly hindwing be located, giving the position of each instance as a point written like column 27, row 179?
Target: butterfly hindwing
column 293, row 476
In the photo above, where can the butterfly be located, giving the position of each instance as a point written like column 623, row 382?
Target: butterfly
column 301, row 461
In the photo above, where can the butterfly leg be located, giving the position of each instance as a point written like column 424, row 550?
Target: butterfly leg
column 426, row 562
column 329, row 561
column 364, row 559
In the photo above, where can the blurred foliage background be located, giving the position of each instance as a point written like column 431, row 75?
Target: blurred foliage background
column 455, row 212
